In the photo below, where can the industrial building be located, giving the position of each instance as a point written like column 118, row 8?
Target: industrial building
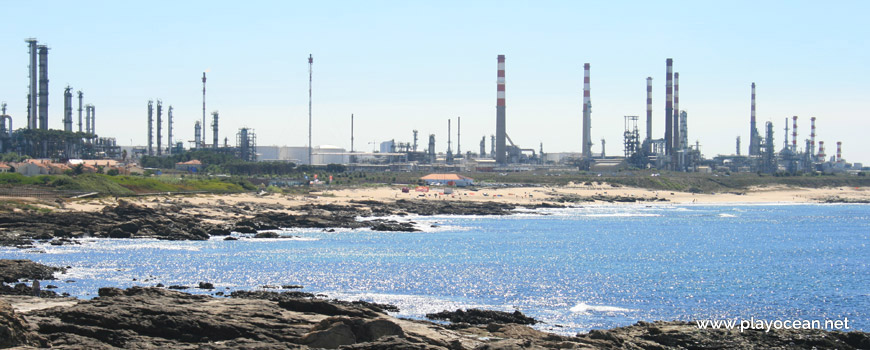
column 671, row 149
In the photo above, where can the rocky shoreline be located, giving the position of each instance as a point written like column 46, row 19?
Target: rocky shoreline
column 177, row 220
column 148, row 317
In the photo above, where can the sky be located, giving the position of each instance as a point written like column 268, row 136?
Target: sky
column 400, row 66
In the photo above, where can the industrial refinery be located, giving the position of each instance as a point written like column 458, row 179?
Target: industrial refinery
column 670, row 150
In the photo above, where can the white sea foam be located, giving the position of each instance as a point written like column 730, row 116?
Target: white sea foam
column 724, row 215
column 623, row 215
column 583, row 308
column 412, row 305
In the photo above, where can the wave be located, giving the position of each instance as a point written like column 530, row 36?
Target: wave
column 723, row 215
column 622, row 215
column 583, row 308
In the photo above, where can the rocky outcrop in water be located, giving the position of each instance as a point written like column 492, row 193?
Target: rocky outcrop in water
column 481, row 317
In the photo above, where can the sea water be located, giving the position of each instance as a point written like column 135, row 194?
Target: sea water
column 573, row 269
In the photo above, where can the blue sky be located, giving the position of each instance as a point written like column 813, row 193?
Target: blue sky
column 405, row 65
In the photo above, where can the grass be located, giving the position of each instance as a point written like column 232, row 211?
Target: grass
column 124, row 185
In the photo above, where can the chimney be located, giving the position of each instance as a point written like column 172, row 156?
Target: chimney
column 812, row 149
column 676, row 115
column 794, row 133
column 822, row 151
column 839, row 151
column 753, row 131
column 159, row 127
column 587, row 114
column 649, row 109
column 150, row 128
column 669, row 106
column 500, row 127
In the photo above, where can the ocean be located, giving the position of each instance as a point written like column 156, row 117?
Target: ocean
column 573, row 269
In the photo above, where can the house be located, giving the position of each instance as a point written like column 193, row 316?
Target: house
column 5, row 168
column 193, row 166
column 448, row 180
column 30, row 168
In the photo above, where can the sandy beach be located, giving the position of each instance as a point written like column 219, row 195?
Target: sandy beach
column 518, row 195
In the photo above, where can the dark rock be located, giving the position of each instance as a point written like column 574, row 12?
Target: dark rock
column 336, row 335
column 230, row 238
column 14, row 270
column 177, row 287
column 244, row 229
column 118, row 233
column 205, row 285
column 267, row 235
column 291, row 286
column 324, row 307
column 481, row 317
column 14, row 330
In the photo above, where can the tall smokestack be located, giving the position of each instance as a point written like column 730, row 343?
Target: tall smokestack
column 483, row 147
column 31, row 97
column 214, row 129
column 839, row 151
column 821, row 154
column 88, row 119
column 587, row 114
column 67, row 109
column 812, row 149
column 310, row 75
column 669, row 106
column 500, row 127
column 159, row 127
column 676, row 133
column 93, row 119
column 80, row 110
column 449, row 151
column 150, row 127
column 202, row 127
column 169, row 139
column 458, row 135
column 753, row 132
column 43, row 87
column 738, row 145
column 649, row 109
column 794, row 134
column 785, row 144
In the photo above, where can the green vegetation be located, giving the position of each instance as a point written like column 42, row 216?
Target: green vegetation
column 12, row 205
column 127, row 185
column 215, row 162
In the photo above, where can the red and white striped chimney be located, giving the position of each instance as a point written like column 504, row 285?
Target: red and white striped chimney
column 500, row 120
column 500, row 82
column 794, row 133
column 821, row 151
column 649, row 108
column 839, row 151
